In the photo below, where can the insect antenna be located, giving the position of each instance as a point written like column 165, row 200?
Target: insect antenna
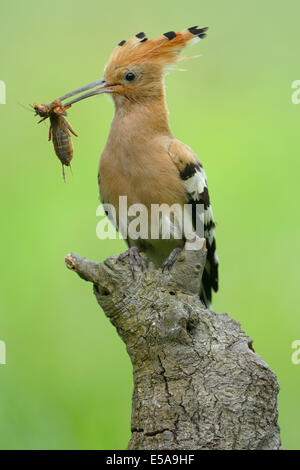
column 30, row 108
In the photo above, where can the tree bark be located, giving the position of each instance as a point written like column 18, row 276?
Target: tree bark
column 198, row 384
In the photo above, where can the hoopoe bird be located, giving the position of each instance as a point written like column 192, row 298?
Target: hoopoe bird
column 142, row 159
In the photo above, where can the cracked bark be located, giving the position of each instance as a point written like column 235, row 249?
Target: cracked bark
column 197, row 382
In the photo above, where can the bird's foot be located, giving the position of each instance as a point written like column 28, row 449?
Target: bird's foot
column 168, row 263
column 134, row 258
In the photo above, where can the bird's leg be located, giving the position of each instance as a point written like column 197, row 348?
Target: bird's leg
column 168, row 263
column 134, row 257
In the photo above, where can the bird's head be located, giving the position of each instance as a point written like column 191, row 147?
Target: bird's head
column 135, row 69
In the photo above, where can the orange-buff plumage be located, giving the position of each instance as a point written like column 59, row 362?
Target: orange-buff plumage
column 142, row 159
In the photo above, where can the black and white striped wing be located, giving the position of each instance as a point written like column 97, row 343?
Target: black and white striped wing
column 194, row 180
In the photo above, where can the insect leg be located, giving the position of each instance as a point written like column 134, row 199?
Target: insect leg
column 49, row 136
column 70, row 128
column 41, row 120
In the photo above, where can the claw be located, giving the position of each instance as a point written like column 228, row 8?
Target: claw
column 134, row 257
column 168, row 263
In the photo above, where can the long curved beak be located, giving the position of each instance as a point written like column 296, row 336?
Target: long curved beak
column 100, row 86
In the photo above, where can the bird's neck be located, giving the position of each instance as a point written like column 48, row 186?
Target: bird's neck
column 134, row 121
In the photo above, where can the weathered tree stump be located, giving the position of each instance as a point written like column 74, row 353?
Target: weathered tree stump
column 197, row 382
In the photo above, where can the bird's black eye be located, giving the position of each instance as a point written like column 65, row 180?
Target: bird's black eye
column 129, row 77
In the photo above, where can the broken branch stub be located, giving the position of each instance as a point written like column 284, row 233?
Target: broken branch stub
column 197, row 382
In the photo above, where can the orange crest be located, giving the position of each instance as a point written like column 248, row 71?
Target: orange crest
column 162, row 50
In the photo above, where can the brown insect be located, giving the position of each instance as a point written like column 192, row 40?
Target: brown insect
column 59, row 130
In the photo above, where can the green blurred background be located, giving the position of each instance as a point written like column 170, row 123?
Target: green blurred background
column 67, row 383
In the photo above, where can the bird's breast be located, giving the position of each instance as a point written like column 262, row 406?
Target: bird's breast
column 144, row 174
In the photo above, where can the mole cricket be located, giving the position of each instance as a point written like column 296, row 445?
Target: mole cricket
column 59, row 130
